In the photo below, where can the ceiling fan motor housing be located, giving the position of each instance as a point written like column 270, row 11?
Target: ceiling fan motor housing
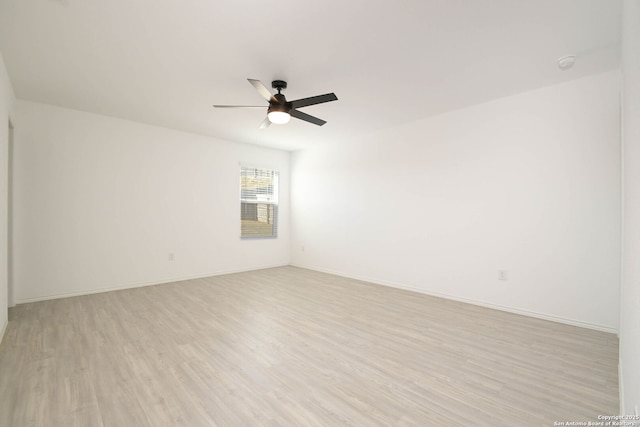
column 281, row 105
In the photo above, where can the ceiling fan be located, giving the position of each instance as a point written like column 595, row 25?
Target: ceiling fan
column 280, row 110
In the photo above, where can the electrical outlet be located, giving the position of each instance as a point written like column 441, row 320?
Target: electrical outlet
column 637, row 414
column 301, row 248
column 172, row 256
column 502, row 274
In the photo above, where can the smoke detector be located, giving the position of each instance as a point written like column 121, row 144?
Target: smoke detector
column 566, row 62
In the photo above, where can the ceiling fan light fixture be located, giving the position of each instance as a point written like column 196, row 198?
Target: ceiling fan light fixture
column 279, row 117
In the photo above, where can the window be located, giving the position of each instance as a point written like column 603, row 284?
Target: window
column 258, row 202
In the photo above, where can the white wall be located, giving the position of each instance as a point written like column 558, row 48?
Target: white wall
column 630, row 301
column 100, row 203
column 6, row 105
column 529, row 184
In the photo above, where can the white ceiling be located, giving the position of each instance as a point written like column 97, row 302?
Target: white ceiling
column 165, row 62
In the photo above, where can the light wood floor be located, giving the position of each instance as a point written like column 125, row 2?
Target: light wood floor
column 292, row 347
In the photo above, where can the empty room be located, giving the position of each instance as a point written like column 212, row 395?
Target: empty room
column 319, row 213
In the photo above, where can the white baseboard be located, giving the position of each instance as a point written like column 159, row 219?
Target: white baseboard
column 468, row 301
column 141, row 284
column 337, row 273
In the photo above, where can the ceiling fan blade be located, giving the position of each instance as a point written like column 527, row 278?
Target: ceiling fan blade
column 304, row 102
column 306, row 117
column 262, row 90
column 265, row 123
column 239, row 106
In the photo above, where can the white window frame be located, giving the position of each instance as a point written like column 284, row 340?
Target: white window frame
column 258, row 203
